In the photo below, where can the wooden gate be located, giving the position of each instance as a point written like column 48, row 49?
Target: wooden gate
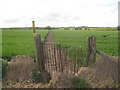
column 58, row 59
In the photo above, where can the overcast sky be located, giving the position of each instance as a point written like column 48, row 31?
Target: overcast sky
column 20, row 13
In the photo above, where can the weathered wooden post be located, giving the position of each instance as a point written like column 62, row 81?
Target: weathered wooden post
column 39, row 53
column 39, row 56
column 38, row 49
column 91, row 50
column 33, row 26
column 34, row 34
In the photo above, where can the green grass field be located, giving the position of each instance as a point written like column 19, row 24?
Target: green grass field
column 107, row 41
column 19, row 42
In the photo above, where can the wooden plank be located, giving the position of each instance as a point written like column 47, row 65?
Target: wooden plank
column 55, row 57
column 54, row 68
column 49, row 56
column 65, row 61
column 74, row 66
column 77, row 53
column 45, row 56
column 42, row 55
column 59, row 58
column 68, row 62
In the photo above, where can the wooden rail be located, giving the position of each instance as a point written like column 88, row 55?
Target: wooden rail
column 100, row 52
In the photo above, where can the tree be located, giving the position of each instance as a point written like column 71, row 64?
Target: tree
column 48, row 27
column 118, row 28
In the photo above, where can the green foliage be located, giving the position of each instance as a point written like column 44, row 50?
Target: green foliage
column 118, row 28
column 48, row 27
column 52, row 82
column 4, row 65
column 19, row 42
column 115, row 85
column 36, row 76
column 79, row 83
column 10, row 83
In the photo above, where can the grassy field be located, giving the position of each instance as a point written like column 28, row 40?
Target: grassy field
column 107, row 41
column 19, row 42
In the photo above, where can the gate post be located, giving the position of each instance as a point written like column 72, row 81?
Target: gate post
column 38, row 49
column 39, row 53
column 91, row 50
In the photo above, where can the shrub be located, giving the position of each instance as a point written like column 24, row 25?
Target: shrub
column 79, row 83
column 4, row 65
column 36, row 76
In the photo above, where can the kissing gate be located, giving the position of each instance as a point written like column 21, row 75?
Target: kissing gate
column 52, row 57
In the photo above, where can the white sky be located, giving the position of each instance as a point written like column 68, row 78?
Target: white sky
column 20, row 13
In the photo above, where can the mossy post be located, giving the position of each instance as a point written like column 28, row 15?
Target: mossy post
column 91, row 50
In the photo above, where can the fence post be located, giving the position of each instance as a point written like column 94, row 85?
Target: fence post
column 45, row 76
column 33, row 26
column 91, row 50
column 38, row 49
column 39, row 53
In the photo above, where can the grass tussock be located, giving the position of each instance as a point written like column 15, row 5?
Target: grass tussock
column 20, row 69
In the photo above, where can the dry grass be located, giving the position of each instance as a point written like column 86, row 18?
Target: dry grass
column 20, row 69
column 103, row 73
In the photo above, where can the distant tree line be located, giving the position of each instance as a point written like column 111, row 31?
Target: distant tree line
column 67, row 28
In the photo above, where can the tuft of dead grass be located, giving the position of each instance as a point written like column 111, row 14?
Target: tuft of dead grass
column 20, row 69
